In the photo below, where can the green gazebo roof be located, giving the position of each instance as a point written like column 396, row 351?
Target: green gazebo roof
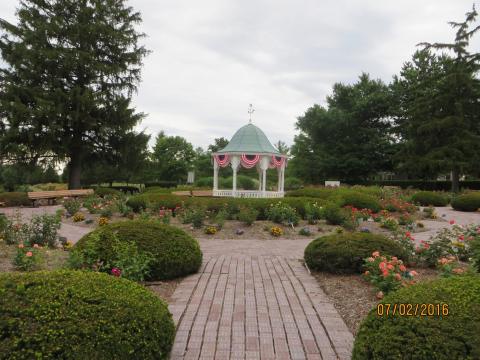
column 249, row 139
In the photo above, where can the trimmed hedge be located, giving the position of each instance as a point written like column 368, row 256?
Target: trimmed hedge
column 455, row 336
column 81, row 315
column 360, row 201
column 320, row 192
column 105, row 191
column 344, row 253
column 15, row 199
column 215, row 204
column 428, row 185
column 175, row 253
column 427, row 198
column 467, row 202
column 163, row 184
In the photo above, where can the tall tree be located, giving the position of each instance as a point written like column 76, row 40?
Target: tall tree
column 350, row 138
column 172, row 157
column 218, row 144
column 72, row 66
column 439, row 114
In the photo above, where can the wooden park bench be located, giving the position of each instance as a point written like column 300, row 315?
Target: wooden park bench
column 51, row 196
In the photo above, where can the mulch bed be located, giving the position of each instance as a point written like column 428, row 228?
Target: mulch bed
column 353, row 297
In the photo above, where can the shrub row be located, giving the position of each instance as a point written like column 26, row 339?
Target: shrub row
column 175, row 253
column 452, row 336
column 344, row 253
column 139, row 202
column 15, row 199
column 467, row 202
column 429, row 185
column 163, row 184
column 81, row 315
column 427, row 198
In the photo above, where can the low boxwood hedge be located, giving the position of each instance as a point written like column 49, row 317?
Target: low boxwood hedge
column 15, row 199
column 105, row 191
column 81, row 315
column 175, row 253
column 344, row 252
column 429, row 198
column 467, row 202
column 454, row 336
column 360, row 201
column 215, row 204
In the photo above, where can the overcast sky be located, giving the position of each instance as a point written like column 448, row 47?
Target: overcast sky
column 211, row 58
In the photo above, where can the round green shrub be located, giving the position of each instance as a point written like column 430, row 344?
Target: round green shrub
column 137, row 203
column 467, row 202
column 175, row 253
column 360, row 201
column 344, row 252
column 15, row 199
column 455, row 336
column 429, row 198
column 81, row 315
column 334, row 214
column 293, row 183
column 204, row 182
column 105, row 191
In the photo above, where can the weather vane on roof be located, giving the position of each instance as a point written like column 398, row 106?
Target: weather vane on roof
column 251, row 110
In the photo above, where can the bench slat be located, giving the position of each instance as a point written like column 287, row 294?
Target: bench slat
column 33, row 195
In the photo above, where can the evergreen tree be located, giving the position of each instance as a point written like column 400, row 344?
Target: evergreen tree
column 71, row 67
column 438, row 112
column 347, row 140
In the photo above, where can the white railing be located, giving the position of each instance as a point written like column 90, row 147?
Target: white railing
column 248, row 194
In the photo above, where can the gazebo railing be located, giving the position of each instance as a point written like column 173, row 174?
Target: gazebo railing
column 248, row 193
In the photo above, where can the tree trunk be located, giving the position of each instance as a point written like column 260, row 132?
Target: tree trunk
column 455, row 180
column 75, row 170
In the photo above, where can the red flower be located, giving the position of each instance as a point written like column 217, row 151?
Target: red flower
column 452, row 222
column 116, row 272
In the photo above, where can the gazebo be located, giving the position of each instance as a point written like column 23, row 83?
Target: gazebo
column 250, row 147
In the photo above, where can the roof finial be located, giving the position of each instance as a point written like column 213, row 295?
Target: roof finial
column 251, row 110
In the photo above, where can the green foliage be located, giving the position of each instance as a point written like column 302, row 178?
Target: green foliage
column 293, row 183
column 344, row 252
column 313, row 213
column 334, row 214
column 84, row 90
column 174, row 252
column 194, row 215
column 320, row 192
column 27, row 258
column 137, row 203
column 243, row 182
column 429, row 198
column 348, row 139
column 359, row 201
column 444, row 337
column 104, row 191
column 467, row 202
column 44, row 230
column 247, row 215
column 282, row 213
column 15, row 199
column 72, row 205
column 81, row 315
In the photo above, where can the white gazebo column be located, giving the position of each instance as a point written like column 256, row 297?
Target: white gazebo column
column 235, row 163
column 264, row 162
column 282, row 188
column 259, row 178
column 279, row 184
column 215, row 175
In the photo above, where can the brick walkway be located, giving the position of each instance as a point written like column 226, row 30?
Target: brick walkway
column 245, row 306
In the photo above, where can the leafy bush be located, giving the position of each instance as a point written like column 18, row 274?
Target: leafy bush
column 205, row 182
column 174, row 252
column 467, row 202
column 137, row 203
column 247, row 215
column 293, row 183
column 41, row 230
column 282, row 213
column 321, row 193
column 344, row 252
column 195, row 216
column 78, row 217
column 360, row 201
column 452, row 336
column 81, row 315
column 27, row 258
column 243, row 182
column 313, row 213
column 72, row 205
column 427, row 198
column 334, row 214
column 105, row 191
column 15, row 199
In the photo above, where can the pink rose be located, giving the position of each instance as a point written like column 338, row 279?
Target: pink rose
column 35, row 246
column 29, row 254
column 413, row 273
column 376, row 253
column 370, row 259
column 116, row 272
column 452, row 222
column 21, row 246
column 398, row 277
column 402, row 268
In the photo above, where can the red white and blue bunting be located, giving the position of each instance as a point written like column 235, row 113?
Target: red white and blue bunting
column 222, row 160
column 277, row 161
column 249, row 161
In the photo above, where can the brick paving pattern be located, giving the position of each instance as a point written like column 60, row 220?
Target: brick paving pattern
column 246, row 306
